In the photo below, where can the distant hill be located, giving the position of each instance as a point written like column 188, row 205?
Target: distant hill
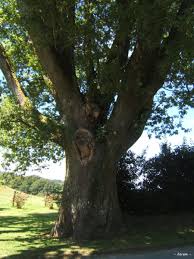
column 31, row 184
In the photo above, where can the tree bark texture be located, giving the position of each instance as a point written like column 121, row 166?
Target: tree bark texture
column 90, row 207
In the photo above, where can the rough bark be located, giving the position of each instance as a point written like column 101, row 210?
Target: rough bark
column 90, row 207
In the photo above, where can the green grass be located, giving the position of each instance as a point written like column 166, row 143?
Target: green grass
column 24, row 232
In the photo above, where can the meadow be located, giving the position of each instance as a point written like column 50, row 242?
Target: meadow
column 24, row 233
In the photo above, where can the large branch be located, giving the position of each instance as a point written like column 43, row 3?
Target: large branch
column 37, row 120
column 89, row 46
column 117, row 56
column 52, row 34
column 121, row 42
column 145, row 74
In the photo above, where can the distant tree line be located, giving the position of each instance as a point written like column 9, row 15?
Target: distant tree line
column 162, row 184
column 31, row 184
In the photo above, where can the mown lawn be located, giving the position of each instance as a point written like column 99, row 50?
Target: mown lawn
column 24, row 232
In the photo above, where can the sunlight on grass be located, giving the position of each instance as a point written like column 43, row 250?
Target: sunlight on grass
column 25, row 232
column 21, row 229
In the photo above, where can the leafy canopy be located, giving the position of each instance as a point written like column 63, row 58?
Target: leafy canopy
column 104, row 37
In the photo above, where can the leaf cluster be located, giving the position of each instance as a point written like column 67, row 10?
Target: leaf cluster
column 22, row 140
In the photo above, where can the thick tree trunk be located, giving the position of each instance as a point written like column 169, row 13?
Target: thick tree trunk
column 90, row 207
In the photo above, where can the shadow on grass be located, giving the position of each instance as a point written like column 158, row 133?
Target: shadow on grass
column 33, row 223
column 29, row 232
column 31, row 236
column 1, row 209
column 143, row 234
column 45, row 253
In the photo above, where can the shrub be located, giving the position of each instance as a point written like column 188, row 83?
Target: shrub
column 19, row 199
column 50, row 199
column 165, row 181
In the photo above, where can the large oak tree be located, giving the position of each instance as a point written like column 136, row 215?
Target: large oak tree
column 81, row 77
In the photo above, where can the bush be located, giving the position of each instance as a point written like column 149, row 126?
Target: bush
column 166, row 185
column 50, row 199
column 129, row 169
column 171, row 176
column 19, row 199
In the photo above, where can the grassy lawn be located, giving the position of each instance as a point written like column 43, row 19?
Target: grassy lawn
column 24, row 232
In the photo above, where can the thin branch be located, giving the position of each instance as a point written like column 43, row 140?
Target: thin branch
column 38, row 121
column 121, row 43
column 11, row 78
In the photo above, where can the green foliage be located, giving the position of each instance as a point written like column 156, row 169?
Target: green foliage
column 98, row 70
column 24, row 60
column 23, row 143
column 171, row 171
column 166, row 183
column 170, row 107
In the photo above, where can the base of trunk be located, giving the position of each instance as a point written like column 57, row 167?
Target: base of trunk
column 90, row 227
column 62, row 229
column 96, row 216
column 90, row 207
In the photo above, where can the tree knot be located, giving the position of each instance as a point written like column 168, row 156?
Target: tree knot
column 84, row 144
